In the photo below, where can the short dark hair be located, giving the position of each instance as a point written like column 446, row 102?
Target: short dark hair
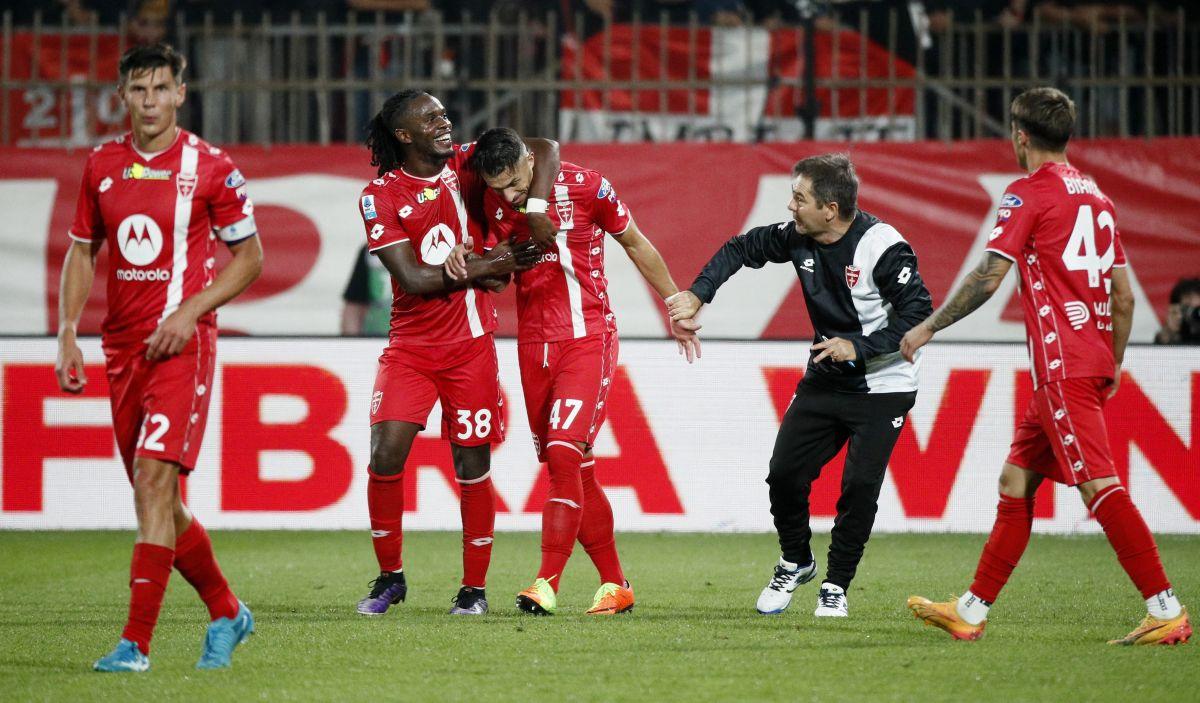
column 1047, row 115
column 496, row 151
column 833, row 181
column 1185, row 286
column 150, row 57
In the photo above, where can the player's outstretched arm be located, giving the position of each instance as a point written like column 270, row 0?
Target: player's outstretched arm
column 650, row 264
column 79, row 269
column 979, row 285
column 416, row 278
column 546, row 165
column 1122, row 317
column 173, row 333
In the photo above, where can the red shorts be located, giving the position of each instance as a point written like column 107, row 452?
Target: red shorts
column 1063, row 435
column 566, row 384
column 463, row 376
column 160, row 408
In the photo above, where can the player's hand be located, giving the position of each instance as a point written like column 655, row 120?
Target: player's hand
column 836, row 349
column 172, row 334
column 541, row 230
column 916, row 338
column 1116, row 382
column 507, row 257
column 69, row 364
column 683, row 305
column 527, row 254
column 456, row 263
column 684, row 332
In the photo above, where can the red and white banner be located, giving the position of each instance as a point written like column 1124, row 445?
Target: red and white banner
column 688, row 198
column 684, row 447
column 749, row 86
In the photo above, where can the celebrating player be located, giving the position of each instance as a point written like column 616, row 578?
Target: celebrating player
column 1060, row 230
column 424, row 203
column 157, row 195
column 863, row 292
column 567, row 348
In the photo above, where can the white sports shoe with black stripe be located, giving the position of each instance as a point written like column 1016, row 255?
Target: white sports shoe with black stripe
column 777, row 595
column 831, row 602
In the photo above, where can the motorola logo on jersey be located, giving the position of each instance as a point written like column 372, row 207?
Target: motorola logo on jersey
column 436, row 245
column 139, row 239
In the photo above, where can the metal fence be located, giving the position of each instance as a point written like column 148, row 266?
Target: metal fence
column 316, row 79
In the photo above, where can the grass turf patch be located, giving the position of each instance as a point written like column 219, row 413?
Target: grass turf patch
column 694, row 634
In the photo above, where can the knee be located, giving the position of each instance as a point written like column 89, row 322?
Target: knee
column 471, row 463
column 384, row 463
column 156, row 487
column 1016, row 482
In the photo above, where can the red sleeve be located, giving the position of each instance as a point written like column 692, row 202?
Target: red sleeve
column 87, row 226
column 1015, row 220
column 608, row 212
column 381, row 218
column 230, row 210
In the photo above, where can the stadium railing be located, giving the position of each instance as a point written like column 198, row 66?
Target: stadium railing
column 316, row 78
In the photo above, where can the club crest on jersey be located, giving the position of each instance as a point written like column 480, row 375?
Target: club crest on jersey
column 428, row 195
column 138, row 172
column 186, row 184
column 852, row 275
column 450, row 179
column 1009, row 200
column 566, row 214
column 376, row 399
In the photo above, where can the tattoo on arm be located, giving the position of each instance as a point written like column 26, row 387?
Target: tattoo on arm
column 974, row 291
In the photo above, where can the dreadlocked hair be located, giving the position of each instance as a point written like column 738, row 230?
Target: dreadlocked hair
column 381, row 140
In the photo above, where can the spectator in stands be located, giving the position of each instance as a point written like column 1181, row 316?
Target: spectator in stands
column 1183, row 315
column 148, row 21
column 367, row 300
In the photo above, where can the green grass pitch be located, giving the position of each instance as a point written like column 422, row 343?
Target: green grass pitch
column 694, row 635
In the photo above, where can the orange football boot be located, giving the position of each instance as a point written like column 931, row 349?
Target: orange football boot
column 945, row 616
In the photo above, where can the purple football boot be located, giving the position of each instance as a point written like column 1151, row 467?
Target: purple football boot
column 386, row 591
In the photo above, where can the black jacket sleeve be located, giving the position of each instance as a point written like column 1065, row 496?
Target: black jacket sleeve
column 358, row 289
column 900, row 284
column 756, row 248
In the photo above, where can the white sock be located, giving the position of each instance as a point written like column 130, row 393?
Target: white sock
column 972, row 608
column 1164, row 605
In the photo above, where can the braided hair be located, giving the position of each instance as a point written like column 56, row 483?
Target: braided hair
column 385, row 148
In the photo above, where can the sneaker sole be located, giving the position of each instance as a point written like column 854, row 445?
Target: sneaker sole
column 528, row 605
column 610, row 612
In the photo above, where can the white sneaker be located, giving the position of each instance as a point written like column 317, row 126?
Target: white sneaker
column 776, row 597
column 831, row 602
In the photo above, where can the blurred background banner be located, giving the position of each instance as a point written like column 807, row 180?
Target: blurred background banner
column 683, row 448
column 688, row 198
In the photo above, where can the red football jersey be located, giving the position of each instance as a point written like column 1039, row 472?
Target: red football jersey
column 161, row 215
column 566, row 295
column 432, row 214
column 1060, row 230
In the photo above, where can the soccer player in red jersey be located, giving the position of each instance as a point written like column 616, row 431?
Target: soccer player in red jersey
column 567, row 349
column 424, row 203
column 160, row 197
column 1059, row 229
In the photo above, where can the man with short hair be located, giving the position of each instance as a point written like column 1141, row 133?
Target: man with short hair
column 863, row 292
column 160, row 197
column 1061, row 231
column 567, row 349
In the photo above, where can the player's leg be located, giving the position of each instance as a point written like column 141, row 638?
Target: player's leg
column 1086, row 449
column 809, row 436
column 477, row 506
column 597, row 537
column 1030, row 460
column 875, row 423
column 472, row 419
column 391, row 441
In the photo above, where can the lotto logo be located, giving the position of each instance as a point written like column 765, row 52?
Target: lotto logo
column 1050, row 338
column 499, row 213
column 1044, row 311
column 1069, row 440
column 1031, row 259
column 405, row 211
column 996, row 233
column 1078, row 465
column 1060, row 414
column 105, row 184
column 1055, row 364
column 377, row 231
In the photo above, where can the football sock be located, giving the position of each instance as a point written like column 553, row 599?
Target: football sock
column 563, row 511
column 1131, row 539
column 149, row 571
column 385, row 504
column 972, row 608
column 1010, row 536
column 195, row 560
column 1164, row 605
column 596, row 527
column 478, row 507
